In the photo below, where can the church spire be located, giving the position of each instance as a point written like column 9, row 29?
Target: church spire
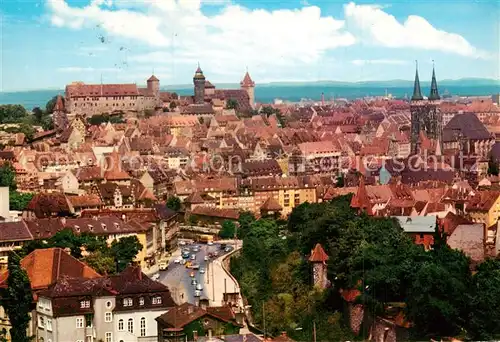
column 434, row 95
column 417, row 93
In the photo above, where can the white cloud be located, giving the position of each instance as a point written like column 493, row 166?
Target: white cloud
column 361, row 62
column 232, row 39
column 380, row 28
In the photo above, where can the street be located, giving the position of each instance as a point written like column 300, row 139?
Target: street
column 178, row 279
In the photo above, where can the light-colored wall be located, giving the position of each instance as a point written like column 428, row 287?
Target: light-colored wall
column 4, row 202
column 100, row 309
column 151, row 325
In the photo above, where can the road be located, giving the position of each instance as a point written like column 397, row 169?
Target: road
column 178, row 278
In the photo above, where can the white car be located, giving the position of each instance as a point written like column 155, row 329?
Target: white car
column 206, row 258
column 193, row 257
column 178, row 260
column 155, row 276
column 182, row 243
column 199, row 287
column 202, row 270
column 210, row 243
column 197, row 293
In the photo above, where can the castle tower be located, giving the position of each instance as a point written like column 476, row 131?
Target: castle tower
column 154, row 87
column 248, row 85
column 425, row 114
column 318, row 260
column 59, row 117
column 199, row 86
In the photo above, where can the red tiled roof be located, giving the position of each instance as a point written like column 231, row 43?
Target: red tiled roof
column 318, row 254
column 81, row 89
column 114, row 170
column 46, row 266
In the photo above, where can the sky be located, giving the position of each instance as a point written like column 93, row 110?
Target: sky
column 47, row 44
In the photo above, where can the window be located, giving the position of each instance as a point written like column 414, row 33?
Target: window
column 141, row 301
column 157, row 300
column 127, row 302
column 85, row 304
column 143, row 326
column 120, row 325
column 109, row 337
column 41, row 322
column 79, row 322
column 89, row 338
column 49, row 324
column 108, row 303
column 108, row 317
column 130, row 325
column 88, row 321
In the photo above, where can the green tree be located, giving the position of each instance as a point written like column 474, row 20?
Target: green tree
column 192, row 220
column 38, row 114
column 228, row 230
column 8, row 176
column 12, row 113
column 232, row 104
column 172, row 105
column 245, row 221
column 47, row 123
column 49, row 107
column 174, row 203
column 101, row 263
column 19, row 200
column 28, row 130
column 484, row 316
column 492, row 166
column 17, row 299
column 124, row 251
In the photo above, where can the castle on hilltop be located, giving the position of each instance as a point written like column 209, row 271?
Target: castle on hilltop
column 92, row 99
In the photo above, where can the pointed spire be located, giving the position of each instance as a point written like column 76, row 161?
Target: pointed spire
column 434, row 95
column 417, row 93
column 360, row 200
column 247, row 81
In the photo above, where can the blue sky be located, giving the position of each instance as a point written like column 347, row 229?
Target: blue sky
column 50, row 43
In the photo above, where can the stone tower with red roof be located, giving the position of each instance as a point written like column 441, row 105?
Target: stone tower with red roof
column 248, row 85
column 318, row 260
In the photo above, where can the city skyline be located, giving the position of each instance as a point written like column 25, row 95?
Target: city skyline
column 125, row 41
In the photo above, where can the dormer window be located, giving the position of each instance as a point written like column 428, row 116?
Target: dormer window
column 127, row 302
column 91, row 227
column 85, row 304
column 103, row 226
column 141, row 301
column 156, row 300
column 77, row 228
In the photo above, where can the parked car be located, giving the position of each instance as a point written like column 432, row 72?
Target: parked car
column 193, row 257
column 155, row 276
column 199, row 287
column 195, row 266
column 222, row 246
column 197, row 293
column 178, row 260
column 206, row 258
column 202, row 270
column 182, row 243
column 228, row 249
column 194, row 282
column 163, row 265
column 186, row 255
column 210, row 243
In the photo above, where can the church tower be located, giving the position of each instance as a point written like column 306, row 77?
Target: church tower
column 199, row 86
column 248, row 85
column 425, row 114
